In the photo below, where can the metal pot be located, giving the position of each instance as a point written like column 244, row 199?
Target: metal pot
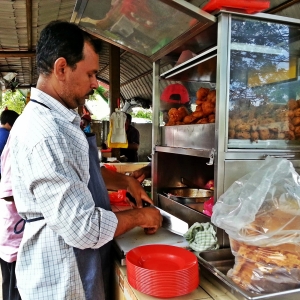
column 188, row 195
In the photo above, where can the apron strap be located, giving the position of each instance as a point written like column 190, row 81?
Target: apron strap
column 16, row 231
column 32, row 100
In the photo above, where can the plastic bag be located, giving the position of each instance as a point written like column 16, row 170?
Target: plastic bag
column 263, row 207
column 208, row 206
column 265, row 269
column 261, row 214
column 111, row 167
column 117, row 137
column 118, row 198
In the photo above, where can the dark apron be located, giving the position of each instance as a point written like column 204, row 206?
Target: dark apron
column 95, row 265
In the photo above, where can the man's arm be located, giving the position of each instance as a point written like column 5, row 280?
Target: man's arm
column 148, row 218
column 133, row 146
column 142, row 173
column 116, row 181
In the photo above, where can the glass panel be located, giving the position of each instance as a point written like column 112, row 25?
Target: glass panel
column 143, row 26
column 176, row 110
column 264, row 98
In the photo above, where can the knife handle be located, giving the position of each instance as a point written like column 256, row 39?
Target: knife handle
column 132, row 199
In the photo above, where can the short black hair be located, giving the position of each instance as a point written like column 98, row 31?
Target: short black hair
column 62, row 39
column 8, row 116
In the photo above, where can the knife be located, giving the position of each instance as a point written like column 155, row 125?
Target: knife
column 170, row 222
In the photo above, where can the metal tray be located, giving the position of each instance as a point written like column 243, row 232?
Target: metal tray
column 218, row 262
column 188, row 195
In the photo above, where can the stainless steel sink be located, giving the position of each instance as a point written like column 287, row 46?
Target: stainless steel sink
column 216, row 264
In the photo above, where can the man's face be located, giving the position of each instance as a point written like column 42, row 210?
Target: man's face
column 81, row 81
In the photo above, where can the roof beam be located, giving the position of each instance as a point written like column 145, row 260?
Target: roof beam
column 17, row 54
column 281, row 6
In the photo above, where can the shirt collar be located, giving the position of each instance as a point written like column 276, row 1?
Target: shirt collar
column 70, row 114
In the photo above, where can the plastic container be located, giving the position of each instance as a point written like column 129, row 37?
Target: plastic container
column 247, row 6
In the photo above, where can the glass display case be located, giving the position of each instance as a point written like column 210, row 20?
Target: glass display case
column 147, row 28
column 253, row 69
column 264, row 89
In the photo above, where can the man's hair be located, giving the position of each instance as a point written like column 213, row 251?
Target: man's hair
column 8, row 116
column 62, row 39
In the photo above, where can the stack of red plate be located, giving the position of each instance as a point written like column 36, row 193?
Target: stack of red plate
column 162, row 271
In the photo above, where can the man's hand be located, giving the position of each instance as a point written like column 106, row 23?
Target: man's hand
column 116, row 181
column 142, row 173
column 148, row 218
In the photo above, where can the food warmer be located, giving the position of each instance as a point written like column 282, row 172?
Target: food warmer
column 252, row 61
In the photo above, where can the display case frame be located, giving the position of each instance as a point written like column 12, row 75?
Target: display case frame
column 229, row 163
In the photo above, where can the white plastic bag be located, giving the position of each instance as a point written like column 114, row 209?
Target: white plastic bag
column 263, row 207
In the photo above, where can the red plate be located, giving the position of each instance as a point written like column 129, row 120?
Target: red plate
column 162, row 258
column 162, row 270
column 163, row 290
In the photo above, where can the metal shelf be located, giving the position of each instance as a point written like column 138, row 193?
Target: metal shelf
column 201, row 68
column 206, row 153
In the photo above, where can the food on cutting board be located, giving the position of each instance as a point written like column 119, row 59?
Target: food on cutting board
column 266, row 122
column 203, row 114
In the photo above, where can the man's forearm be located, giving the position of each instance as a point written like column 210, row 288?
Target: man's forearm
column 114, row 180
column 133, row 146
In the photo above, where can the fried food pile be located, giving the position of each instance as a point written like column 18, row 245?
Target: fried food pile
column 266, row 122
column 265, row 269
column 276, row 266
column 204, row 113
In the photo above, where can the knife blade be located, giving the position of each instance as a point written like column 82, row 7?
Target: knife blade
column 170, row 222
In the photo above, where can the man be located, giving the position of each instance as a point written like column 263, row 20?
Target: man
column 133, row 138
column 50, row 167
column 7, row 120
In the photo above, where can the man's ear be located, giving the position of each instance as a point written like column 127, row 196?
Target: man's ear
column 60, row 68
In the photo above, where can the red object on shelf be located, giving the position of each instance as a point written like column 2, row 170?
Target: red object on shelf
column 110, row 167
column 208, row 206
column 248, row 6
column 106, row 150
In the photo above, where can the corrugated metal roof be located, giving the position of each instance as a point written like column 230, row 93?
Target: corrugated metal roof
column 22, row 20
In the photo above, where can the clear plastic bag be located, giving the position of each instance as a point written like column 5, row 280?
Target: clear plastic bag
column 263, row 207
column 265, row 269
column 261, row 214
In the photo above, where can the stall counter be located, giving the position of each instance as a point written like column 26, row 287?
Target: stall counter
column 207, row 290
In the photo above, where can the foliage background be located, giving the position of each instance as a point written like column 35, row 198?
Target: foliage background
column 13, row 100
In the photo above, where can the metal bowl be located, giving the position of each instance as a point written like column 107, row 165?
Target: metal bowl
column 188, row 195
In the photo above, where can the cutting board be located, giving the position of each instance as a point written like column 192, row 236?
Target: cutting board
column 136, row 237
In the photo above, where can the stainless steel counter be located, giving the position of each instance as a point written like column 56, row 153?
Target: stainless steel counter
column 216, row 263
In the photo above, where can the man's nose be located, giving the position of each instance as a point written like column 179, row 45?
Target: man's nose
column 94, row 83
